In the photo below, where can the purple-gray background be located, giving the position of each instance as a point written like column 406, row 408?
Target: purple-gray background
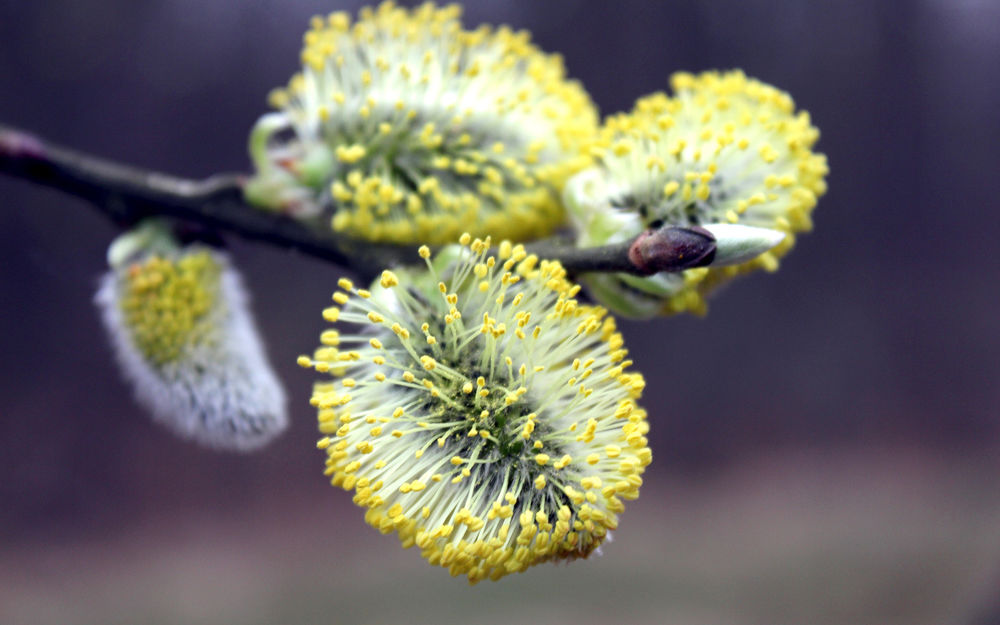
column 879, row 332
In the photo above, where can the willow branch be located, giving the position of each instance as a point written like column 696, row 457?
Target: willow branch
column 127, row 194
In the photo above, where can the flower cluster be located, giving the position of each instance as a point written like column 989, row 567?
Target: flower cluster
column 184, row 337
column 476, row 408
column 724, row 149
column 409, row 128
column 479, row 411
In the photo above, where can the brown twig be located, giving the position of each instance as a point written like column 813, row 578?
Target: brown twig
column 127, row 194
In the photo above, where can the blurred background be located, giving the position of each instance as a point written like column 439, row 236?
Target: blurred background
column 825, row 441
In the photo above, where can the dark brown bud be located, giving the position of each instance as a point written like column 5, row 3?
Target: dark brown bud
column 672, row 248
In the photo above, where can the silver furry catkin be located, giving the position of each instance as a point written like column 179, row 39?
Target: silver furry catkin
column 185, row 341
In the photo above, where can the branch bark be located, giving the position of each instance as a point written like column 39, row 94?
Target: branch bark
column 127, row 194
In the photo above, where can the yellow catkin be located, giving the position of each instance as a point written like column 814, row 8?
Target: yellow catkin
column 467, row 428
column 351, row 126
column 166, row 302
column 734, row 151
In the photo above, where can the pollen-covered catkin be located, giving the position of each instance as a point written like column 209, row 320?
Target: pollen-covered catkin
column 405, row 127
column 184, row 337
column 494, row 424
column 724, row 149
